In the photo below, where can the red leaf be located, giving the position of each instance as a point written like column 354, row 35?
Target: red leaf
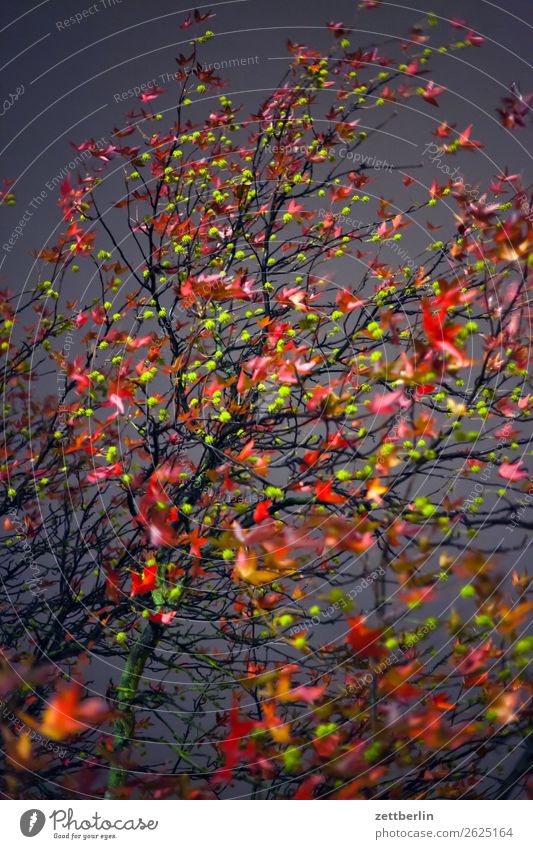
column 512, row 471
column 305, row 790
column 364, row 640
column 151, row 94
column 261, row 511
column 104, row 473
column 66, row 714
column 325, row 493
column 144, row 584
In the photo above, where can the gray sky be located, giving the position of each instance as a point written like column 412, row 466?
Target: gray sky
column 71, row 76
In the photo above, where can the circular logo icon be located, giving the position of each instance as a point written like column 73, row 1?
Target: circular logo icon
column 32, row 822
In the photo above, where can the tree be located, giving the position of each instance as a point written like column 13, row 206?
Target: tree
column 257, row 510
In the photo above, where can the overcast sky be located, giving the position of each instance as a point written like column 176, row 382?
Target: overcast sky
column 65, row 80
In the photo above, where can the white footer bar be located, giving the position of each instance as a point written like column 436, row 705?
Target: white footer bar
column 247, row 824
